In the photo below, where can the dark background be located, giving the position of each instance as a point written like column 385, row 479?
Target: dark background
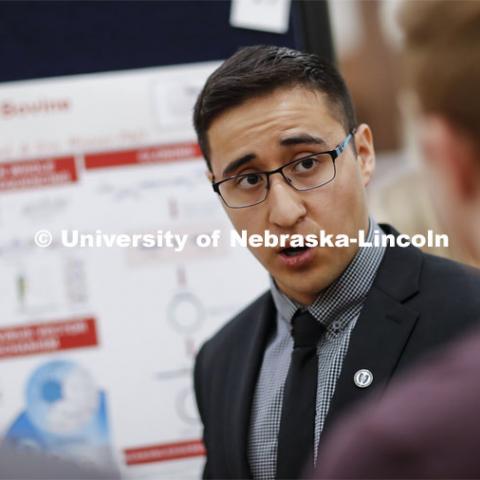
column 45, row 39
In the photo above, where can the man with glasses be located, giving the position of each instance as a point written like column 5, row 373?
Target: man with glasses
column 305, row 173
column 285, row 154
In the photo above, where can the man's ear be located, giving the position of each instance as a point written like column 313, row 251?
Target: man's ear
column 451, row 153
column 365, row 152
column 209, row 175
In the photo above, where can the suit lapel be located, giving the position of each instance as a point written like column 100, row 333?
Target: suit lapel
column 376, row 344
column 382, row 329
column 243, row 377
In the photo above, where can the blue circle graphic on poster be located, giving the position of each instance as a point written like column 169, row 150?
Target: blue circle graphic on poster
column 61, row 398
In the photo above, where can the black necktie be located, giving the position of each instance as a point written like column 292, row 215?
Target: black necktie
column 297, row 424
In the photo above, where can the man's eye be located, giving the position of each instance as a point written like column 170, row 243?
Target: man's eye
column 249, row 181
column 305, row 165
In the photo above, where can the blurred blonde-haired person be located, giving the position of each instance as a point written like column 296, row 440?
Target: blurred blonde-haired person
column 427, row 424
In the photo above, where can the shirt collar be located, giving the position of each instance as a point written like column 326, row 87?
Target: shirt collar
column 348, row 291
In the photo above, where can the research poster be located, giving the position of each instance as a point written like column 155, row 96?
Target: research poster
column 97, row 343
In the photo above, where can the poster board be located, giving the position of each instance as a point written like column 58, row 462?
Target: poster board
column 97, row 344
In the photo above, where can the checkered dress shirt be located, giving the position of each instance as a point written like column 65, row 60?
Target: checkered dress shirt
column 337, row 307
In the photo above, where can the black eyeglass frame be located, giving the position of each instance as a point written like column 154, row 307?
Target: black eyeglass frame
column 334, row 154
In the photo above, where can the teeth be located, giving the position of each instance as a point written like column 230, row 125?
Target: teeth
column 291, row 252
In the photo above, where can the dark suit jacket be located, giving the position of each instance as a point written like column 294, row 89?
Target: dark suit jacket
column 416, row 303
column 426, row 426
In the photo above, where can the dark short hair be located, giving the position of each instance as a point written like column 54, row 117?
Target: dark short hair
column 259, row 70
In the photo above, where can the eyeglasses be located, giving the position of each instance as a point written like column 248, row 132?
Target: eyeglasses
column 302, row 174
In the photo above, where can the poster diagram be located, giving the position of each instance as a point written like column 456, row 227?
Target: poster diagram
column 65, row 414
column 119, row 157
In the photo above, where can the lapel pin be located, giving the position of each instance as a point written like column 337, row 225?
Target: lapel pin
column 363, row 378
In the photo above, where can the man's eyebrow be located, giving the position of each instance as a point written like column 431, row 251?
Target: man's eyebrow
column 232, row 166
column 302, row 138
column 299, row 139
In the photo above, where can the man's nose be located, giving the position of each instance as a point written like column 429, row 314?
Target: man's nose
column 285, row 204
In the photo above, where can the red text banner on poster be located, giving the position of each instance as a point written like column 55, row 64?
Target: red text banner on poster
column 36, row 173
column 47, row 337
column 159, row 154
column 164, row 452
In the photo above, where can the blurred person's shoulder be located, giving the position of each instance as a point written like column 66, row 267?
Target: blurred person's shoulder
column 426, row 425
column 31, row 464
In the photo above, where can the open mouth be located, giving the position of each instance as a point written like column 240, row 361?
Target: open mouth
column 293, row 251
